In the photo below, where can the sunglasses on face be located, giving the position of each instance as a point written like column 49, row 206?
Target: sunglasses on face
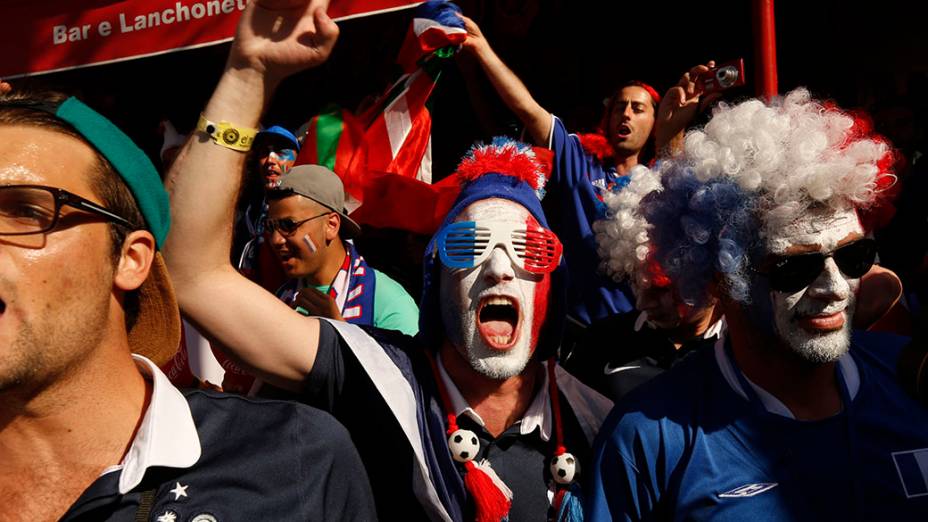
column 793, row 273
column 467, row 244
column 287, row 226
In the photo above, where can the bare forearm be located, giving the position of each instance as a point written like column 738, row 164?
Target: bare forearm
column 205, row 178
column 275, row 38
column 515, row 95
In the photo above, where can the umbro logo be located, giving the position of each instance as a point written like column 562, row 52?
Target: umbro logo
column 749, row 490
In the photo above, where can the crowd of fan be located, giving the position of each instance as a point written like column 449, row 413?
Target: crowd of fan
column 652, row 321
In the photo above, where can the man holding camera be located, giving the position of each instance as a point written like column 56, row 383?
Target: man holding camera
column 589, row 166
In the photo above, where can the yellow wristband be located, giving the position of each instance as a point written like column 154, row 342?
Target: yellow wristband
column 227, row 134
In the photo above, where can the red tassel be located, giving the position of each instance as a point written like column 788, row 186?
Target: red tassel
column 491, row 504
column 558, row 499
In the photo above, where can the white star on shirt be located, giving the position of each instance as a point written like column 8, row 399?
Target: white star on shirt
column 168, row 516
column 179, row 491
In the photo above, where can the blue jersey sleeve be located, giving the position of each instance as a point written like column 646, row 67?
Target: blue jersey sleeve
column 571, row 162
column 575, row 188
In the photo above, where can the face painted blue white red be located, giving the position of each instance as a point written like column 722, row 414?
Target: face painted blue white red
column 815, row 321
column 275, row 161
column 492, row 313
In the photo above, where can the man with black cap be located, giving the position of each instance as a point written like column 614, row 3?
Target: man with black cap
column 90, row 428
column 308, row 230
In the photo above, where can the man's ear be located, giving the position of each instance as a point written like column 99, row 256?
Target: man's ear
column 333, row 224
column 135, row 260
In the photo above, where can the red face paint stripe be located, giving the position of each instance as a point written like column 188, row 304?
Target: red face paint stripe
column 542, row 293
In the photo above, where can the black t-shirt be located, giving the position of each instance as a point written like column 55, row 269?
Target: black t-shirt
column 261, row 460
column 339, row 384
column 612, row 358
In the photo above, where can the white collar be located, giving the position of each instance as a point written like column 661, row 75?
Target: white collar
column 714, row 331
column 537, row 415
column 167, row 437
column 773, row 405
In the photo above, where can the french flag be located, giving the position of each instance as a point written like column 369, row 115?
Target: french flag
column 912, row 467
column 435, row 26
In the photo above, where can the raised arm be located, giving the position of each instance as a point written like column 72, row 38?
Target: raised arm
column 275, row 38
column 510, row 88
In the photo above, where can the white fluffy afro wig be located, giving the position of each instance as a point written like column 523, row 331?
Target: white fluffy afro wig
column 754, row 166
column 796, row 151
column 622, row 238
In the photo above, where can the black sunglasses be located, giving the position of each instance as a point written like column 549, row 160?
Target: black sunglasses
column 287, row 226
column 793, row 273
column 35, row 209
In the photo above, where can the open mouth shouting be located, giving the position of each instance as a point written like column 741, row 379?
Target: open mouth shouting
column 623, row 131
column 498, row 321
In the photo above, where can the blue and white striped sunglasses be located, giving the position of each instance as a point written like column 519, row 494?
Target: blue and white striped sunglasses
column 467, row 244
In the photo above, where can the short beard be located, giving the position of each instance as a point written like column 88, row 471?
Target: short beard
column 820, row 348
column 495, row 364
column 25, row 362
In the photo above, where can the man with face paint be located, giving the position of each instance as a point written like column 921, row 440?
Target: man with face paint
column 791, row 417
column 470, row 420
column 663, row 330
column 275, row 149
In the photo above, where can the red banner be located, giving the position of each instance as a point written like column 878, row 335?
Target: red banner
column 42, row 36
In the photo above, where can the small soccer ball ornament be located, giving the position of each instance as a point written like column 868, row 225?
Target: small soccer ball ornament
column 564, row 468
column 464, row 445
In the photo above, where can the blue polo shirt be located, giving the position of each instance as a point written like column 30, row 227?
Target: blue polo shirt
column 700, row 442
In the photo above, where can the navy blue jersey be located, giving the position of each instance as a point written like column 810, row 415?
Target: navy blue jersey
column 687, row 446
column 261, row 460
column 573, row 203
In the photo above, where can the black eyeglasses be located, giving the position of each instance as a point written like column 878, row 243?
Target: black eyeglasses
column 793, row 273
column 287, row 226
column 34, row 209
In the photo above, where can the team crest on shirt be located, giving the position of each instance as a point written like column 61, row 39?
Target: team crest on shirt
column 912, row 467
column 749, row 490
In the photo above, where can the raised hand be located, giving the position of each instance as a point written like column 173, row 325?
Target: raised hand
column 475, row 41
column 680, row 105
column 280, row 37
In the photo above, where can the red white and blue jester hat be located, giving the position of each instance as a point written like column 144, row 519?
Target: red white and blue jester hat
column 505, row 169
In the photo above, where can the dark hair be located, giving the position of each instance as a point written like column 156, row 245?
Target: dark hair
column 105, row 181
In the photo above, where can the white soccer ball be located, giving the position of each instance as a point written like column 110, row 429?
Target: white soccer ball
column 464, row 445
column 564, row 468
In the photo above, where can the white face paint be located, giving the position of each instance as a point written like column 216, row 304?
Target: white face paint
column 488, row 311
column 815, row 322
